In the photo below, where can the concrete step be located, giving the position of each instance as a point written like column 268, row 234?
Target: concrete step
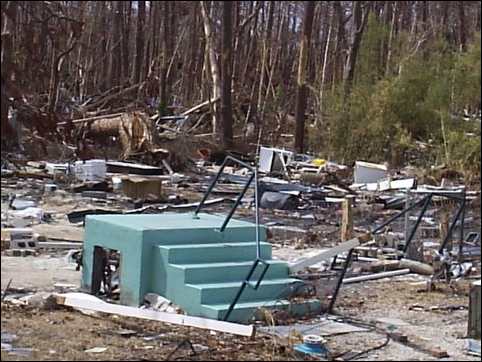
column 230, row 271
column 214, row 252
column 246, row 312
column 206, row 237
column 218, row 293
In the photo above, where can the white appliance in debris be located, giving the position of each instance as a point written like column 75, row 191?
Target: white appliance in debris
column 366, row 172
column 274, row 159
column 90, row 170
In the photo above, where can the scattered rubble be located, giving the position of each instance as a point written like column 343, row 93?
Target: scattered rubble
column 387, row 234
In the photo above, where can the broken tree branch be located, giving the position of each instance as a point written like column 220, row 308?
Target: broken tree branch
column 199, row 106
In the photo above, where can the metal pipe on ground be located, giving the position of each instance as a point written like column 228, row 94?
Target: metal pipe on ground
column 376, row 276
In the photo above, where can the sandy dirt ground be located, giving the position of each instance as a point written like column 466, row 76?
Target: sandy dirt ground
column 435, row 319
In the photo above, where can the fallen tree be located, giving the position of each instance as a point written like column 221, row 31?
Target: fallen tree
column 134, row 130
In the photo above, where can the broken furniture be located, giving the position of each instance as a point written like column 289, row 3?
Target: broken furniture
column 143, row 188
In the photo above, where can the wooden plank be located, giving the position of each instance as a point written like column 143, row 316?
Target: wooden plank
column 78, row 301
column 347, row 221
column 328, row 254
column 59, row 245
column 376, row 276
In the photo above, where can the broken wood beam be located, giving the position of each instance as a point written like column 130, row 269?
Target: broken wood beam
column 92, row 303
column 328, row 254
column 19, row 173
column 387, row 265
column 347, row 220
column 417, row 267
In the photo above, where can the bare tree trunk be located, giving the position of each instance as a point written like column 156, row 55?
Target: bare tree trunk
column 302, row 90
column 359, row 21
column 125, row 40
column 7, row 67
column 390, row 39
column 265, row 58
column 477, row 21
column 141, row 16
column 425, row 27
column 115, row 53
column 339, row 44
column 323, row 72
column 193, row 58
column 227, row 59
column 445, row 16
column 462, row 27
column 387, row 16
column 210, row 45
column 57, row 62
column 166, row 52
column 103, row 68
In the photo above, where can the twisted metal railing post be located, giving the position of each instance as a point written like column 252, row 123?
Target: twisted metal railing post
column 419, row 219
column 452, row 226
column 240, row 197
column 256, row 197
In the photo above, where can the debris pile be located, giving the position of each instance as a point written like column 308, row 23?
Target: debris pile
column 338, row 227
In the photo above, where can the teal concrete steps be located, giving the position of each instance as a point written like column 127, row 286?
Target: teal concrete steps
column 229, row 271
column 247, row 311
column 213, row 252
column 218, row 293
column 187, row 260
column 234, row 237
column 204, row 278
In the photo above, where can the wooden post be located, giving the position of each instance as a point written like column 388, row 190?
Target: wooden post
column 444, row 229
column 474, row 311
column 347, row 220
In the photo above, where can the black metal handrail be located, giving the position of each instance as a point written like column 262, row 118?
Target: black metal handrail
column 241, row 195
column 425, row 201
column 258, row 260
column 247, row 282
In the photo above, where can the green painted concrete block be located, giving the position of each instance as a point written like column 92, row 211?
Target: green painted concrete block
column 187, row 260
column 134, row 236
